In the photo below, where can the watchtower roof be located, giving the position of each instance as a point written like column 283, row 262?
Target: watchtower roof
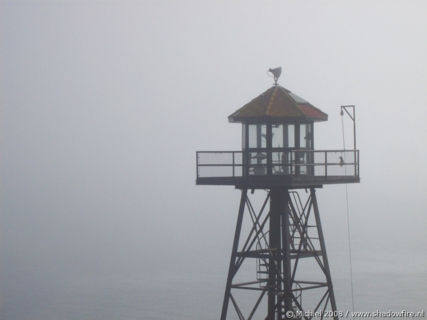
column 278, row 103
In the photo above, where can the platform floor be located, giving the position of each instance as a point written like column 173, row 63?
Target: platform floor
column 293, row 182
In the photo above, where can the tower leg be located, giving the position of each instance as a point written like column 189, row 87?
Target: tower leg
column 274, row 265
column 232, row 267
column 323, row 248
column 280, row 263
column 286, row 249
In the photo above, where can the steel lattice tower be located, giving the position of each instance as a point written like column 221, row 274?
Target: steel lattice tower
column 283, row 239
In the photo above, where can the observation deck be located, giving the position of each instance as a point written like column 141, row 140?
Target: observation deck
column 292, row 169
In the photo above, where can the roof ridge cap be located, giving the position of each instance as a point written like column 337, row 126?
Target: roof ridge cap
column 270, row 103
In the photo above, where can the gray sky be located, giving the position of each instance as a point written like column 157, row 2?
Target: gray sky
column 104, row 103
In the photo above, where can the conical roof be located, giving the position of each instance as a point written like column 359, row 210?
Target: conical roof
column 278, row 103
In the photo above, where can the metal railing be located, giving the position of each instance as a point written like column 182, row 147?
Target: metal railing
column 276, row 162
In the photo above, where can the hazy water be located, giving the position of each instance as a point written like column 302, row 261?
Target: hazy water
column 185, row 295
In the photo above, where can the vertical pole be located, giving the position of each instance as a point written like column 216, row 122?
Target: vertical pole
column 279, row 243
column 245, row 155
column 274, row 246
column 354, row 128
column 323, row 248
column 286, row 249
column 352, row 117
column 286, row 299
column 269, row 137
column 354, row 138
column 326, row 163
column 231, row 269
column 312, row 148
column 197, row 164
column 297, row 147
column 358, row 162
column 233, row 162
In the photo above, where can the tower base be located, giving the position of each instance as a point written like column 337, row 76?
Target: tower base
column 281, row 264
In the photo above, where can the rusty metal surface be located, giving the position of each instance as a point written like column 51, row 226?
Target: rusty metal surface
column 278, row 104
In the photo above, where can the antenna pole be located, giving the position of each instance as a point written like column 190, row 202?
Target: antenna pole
column 352, row 116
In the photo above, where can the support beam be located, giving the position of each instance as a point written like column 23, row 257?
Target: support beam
column 233, row 255
column 277, row 209
column 323, row 248
column 286, row 248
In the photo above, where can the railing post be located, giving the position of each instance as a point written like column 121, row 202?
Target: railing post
column 312, row 164
column 358, row 163
column 355, row 161
column 326, row 163
column 291, row 163
column 233, row 162
column 197, row 164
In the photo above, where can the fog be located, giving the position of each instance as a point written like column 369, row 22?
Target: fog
column 104, row 103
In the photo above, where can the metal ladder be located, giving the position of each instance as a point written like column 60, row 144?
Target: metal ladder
column 262, row 267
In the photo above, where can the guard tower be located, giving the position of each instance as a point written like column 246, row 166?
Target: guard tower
column 283, row 238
